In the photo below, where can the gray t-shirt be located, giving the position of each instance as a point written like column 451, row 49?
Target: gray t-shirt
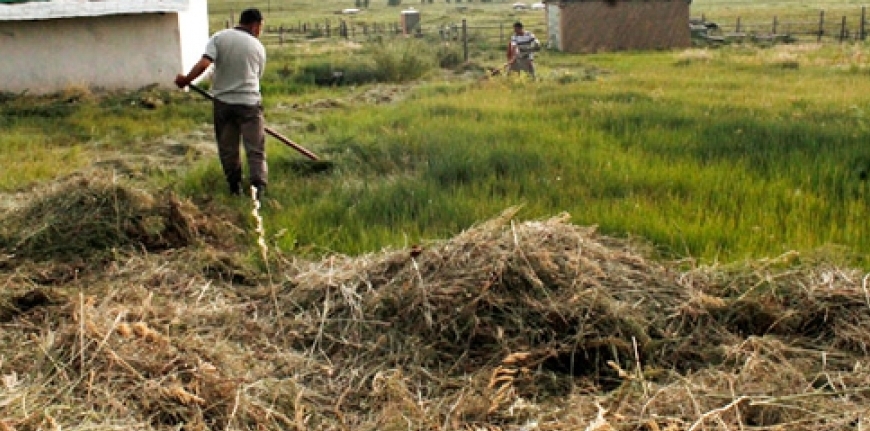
column 239, row 60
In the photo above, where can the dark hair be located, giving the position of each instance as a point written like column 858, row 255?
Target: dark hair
column 518, row 24
column 250, row 16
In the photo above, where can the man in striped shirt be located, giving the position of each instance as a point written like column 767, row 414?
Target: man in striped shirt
column 521, row 50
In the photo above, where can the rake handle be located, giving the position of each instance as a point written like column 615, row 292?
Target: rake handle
column 268, row 129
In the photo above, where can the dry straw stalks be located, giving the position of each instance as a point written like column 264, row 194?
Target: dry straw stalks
column 537, row 325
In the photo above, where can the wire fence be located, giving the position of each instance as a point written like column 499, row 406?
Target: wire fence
column 271, row 6
column 460, row 33
column 811, row 27
column 371, row 31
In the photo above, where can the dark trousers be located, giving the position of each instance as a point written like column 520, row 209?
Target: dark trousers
column 234, row 125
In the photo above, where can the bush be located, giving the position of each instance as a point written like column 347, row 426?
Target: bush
column 393, row 62
column 401, row 62
column 449, row 56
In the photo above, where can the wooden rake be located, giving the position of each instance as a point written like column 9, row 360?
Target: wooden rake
column 286, row 141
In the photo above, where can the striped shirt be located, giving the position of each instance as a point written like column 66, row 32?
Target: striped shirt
column 525, row 42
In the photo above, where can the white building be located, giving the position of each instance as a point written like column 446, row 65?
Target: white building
column 47, row 46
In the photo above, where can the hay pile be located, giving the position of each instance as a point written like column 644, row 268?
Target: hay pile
column 538, row 325
column 90, row 214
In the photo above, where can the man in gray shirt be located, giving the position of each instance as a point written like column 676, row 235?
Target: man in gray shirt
column 239, row 61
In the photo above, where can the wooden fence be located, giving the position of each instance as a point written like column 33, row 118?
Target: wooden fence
column 270, row 6
column 358, row 29
column 365, row 32
column 816, row 27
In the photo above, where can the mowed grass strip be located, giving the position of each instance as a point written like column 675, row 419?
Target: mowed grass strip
column 46, row 137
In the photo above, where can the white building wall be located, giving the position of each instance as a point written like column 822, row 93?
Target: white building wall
column 554, row 28
column 52, row 9
column 194, row 33
column 111, row 52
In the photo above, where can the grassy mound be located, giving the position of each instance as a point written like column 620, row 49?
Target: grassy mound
column 88, row 215
column 538, row 325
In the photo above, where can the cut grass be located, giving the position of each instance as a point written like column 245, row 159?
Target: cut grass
column 51, row 136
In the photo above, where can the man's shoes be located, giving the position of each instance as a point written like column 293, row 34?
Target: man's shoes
column 236, row 189
column 259, row 190
column 234, row 179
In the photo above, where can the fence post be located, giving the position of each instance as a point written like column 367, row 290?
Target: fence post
column 501, row 31
column 863, row 26
column 821, row 25
column 737, row 28
column 843, row 30
column 464, row 39
column 775, row 22
column 281, row 35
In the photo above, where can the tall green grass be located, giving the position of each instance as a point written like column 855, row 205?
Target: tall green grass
column 386, row 61
column 724, row 157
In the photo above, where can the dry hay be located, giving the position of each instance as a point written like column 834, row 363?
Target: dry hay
column 538, row 325
column 94, row 213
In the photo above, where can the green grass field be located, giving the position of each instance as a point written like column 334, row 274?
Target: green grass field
column 308, row 10
column 718, row 155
